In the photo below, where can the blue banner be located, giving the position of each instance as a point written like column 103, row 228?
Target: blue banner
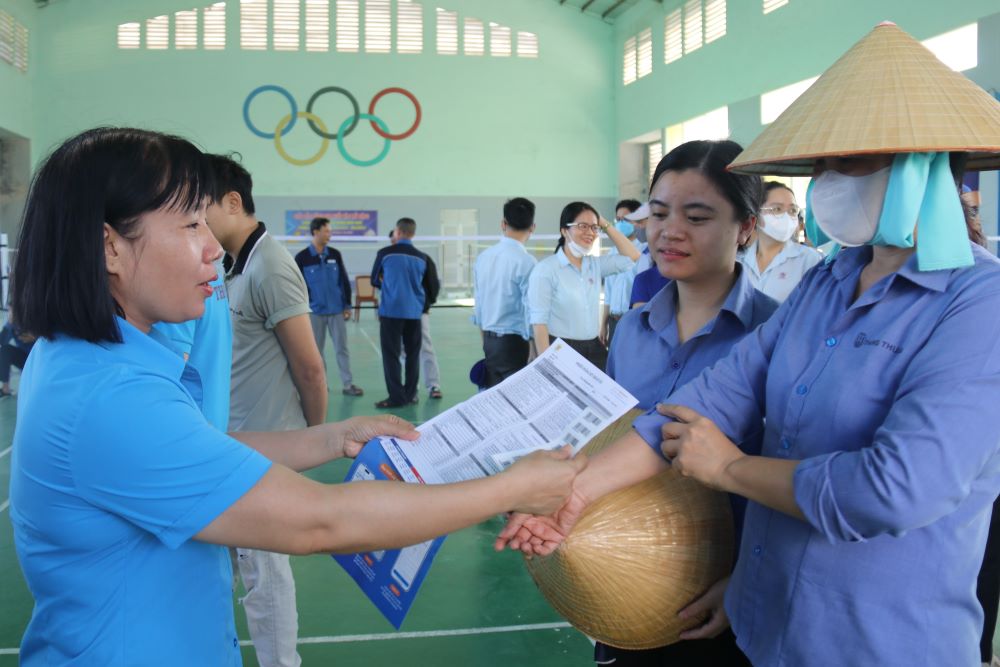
column 342, row 223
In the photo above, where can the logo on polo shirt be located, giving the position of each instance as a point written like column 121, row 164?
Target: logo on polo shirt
column 862, row 340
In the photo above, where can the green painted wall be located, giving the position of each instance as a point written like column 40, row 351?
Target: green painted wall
column 762, row 52
column 17, row 87
column 490, row 126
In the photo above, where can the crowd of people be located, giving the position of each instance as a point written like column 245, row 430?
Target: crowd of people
column 176, row 389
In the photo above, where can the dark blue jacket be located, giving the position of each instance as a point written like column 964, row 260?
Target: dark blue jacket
column 408, row 280
column 326, row 278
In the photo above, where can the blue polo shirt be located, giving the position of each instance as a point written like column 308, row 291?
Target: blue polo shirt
column 889, row 403
column 646, row 284
column 113, row 471
column 207, row 344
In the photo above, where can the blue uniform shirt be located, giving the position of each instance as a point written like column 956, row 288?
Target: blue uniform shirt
column 207, row 344
column 407, row 279
column 566, row 299
column 618, row 286
column 785, row 270
column 648, row 359
column 501, row 282
column 326, row 279
column 646, row 284
column 889, row 402
column 114, row 470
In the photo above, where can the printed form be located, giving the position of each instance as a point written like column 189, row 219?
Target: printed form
column 560, row 398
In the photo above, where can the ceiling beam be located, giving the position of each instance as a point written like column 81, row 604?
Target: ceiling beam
column 612, row 8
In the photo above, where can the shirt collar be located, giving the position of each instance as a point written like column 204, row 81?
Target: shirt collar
column 850, row 260
column 659, row 311
column 404, row 242
column 150, row 350
column 512, row 242
column 247, row 250
column 314, row 252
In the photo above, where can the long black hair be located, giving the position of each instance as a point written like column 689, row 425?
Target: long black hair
column 568, row 216
column 745, row 192
column 105, row 175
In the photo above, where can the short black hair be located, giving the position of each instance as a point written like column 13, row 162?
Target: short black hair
column 744, row 191
column 407, row 226
column 231, row 176
column 519, row 213
column 631, row 204
column 317, row 224
column 107, row 175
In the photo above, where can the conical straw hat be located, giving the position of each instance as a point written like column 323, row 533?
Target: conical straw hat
column 887, row 94
column 637, row 556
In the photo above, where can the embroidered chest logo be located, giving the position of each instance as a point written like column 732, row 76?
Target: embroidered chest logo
column 863, row 340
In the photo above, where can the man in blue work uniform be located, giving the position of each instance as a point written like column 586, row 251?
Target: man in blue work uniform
column 329, row 297
column 409, row 282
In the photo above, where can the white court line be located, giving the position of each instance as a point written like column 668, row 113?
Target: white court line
column 6, row 451
column 371, row 342
column 5, row 505
column 343, row 639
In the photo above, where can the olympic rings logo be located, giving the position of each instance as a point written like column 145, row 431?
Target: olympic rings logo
column 320, row 128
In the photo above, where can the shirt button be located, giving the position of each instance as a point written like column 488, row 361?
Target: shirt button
column 756, row 550
column 801, row 390
column 236, row 642
column 831, row 341
column 785, row 444
column 675, row 365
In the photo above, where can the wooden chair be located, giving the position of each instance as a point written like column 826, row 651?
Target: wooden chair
column 363, row 293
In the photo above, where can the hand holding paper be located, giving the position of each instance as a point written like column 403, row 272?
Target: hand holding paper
column 542, row 481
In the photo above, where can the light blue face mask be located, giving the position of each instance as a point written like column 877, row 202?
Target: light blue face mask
column 921, row 195
column 625, row 227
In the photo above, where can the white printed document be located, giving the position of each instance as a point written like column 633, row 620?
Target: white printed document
column 558, row 399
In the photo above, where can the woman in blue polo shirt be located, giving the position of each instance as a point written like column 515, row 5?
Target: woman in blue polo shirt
column 871, row 499
column 121, row 492
column 564, row 290
column 700, row 216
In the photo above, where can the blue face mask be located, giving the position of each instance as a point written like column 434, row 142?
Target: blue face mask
column 625, row 227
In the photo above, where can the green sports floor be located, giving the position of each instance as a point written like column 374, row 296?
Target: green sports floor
column 476, row 607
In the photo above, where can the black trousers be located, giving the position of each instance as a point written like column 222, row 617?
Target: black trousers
column 10, row 356
column 719, row 651
column 612, row 324
column 592, row 350
column 398, row 334
column 505, row 355
column 988, row 584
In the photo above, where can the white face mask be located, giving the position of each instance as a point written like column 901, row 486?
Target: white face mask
column 779, row 227
column 576, row 249
column 847, row 208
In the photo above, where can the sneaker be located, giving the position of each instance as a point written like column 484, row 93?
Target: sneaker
column 435, row 392
column 353, row 390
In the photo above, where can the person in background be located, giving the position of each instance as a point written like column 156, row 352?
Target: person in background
column 409, row 284
column 500, row 279
column 618, row 287
column 564, row 290
column 645, row 286
column 15, row 345
column 776, row 261
column 329, row 287
column 278, row 381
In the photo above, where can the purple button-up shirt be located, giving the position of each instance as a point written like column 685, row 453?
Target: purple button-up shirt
column 890, row 403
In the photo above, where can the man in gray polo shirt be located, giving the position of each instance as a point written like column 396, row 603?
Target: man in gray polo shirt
column 278, row 382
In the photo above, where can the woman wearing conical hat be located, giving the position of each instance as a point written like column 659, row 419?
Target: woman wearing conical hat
column 878, row 380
